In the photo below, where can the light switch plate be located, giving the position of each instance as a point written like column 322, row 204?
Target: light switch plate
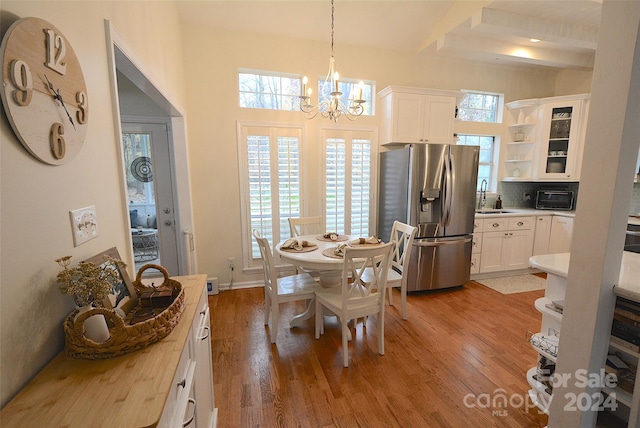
column 84, row 224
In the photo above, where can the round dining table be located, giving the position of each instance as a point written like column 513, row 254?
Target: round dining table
column 329, row 268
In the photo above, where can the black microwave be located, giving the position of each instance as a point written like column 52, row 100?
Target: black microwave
column 554, row 200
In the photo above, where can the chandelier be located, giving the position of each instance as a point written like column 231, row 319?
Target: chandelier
column 331, row 106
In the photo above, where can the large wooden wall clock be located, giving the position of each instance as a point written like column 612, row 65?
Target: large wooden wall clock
column 44, row 93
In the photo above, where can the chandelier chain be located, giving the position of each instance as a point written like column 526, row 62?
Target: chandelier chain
column 332, row 9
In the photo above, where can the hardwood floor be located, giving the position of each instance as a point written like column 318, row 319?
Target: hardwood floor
column 448, row 365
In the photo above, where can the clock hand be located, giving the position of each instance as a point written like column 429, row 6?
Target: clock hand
column 58, row 97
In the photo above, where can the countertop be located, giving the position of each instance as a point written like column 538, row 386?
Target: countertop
column 634, row 220
column 628, row 285
column 130, row 390
column 516, row 212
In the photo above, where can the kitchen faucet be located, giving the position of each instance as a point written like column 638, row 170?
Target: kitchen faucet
column 483, row 194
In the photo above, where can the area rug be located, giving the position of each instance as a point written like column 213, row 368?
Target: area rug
column 514, row 284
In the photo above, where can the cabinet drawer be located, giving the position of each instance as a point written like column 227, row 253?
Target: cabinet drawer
column 201, row 323
column 521, row 223
column 495, row 224
column 477, row 225
column 476, row 243
column 475, row 264
column 180, row 390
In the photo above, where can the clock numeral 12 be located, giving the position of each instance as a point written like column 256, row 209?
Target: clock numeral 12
column 56, row 50
column 58, row 146
column 23, row 81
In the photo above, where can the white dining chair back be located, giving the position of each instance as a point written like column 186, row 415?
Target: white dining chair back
column 402, row 235
column 299, row 226
column 279, row 290
column 357, row 297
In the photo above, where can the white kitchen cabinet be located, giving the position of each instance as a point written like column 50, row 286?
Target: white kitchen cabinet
column 417, row 115
column 562, row 128
column 561, row 233
column 507, row 244
column 541, row 235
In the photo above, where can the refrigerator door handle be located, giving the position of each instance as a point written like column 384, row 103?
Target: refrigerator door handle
column 449, row 189
column 437, row 243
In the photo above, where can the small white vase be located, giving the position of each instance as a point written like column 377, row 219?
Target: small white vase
column 95, row 327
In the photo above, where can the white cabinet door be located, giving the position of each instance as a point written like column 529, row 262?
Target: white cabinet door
column 562, row 139
column 407, row 118
column 439, row 117
column 492, row 248
column 541, row 235
column 517, row 249
column 561, row 233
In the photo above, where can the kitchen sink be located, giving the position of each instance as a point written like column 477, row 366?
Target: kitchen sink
column 493, row 211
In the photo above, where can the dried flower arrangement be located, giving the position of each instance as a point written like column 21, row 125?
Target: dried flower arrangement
column 88, row 283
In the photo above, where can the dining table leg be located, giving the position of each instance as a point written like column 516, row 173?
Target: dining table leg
column 309, row 312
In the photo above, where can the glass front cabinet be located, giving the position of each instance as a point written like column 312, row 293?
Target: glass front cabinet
column 563, row 122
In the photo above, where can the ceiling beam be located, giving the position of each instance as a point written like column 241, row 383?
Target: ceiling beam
column 492, row 21
column 473, row 47
column 459, row 12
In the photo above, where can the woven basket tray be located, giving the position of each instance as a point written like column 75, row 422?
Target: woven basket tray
column 124, row 338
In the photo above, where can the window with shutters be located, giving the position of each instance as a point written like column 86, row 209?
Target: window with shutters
column 348, row 181
column 270, row 182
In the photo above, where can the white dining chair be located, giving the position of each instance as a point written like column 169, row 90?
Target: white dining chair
column 356, row 298
column 402, row 236
column 279, row 290
column 299, row 226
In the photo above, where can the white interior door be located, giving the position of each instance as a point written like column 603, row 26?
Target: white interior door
column 151, row 195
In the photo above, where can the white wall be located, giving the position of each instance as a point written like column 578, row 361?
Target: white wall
column 213, row 57
column 36, row 198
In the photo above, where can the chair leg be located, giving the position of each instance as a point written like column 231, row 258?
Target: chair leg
column 345, row 343
column 381, row 331
column 275, row 320
column 403, row 301
column 390, row 295
column 267, row 307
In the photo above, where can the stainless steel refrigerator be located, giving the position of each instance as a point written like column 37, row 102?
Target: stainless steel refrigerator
column 432, row 187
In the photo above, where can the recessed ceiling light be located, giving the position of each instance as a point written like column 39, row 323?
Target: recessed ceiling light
column 534, row 40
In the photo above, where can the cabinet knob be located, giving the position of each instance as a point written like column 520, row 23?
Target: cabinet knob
column 495, row 224
column 182, row 383
column 520, row 223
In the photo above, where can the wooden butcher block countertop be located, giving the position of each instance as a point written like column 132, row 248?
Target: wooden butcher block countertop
column 126, row 391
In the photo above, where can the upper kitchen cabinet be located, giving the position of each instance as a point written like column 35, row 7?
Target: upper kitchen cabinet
column 417, row 115
column 562, row 131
